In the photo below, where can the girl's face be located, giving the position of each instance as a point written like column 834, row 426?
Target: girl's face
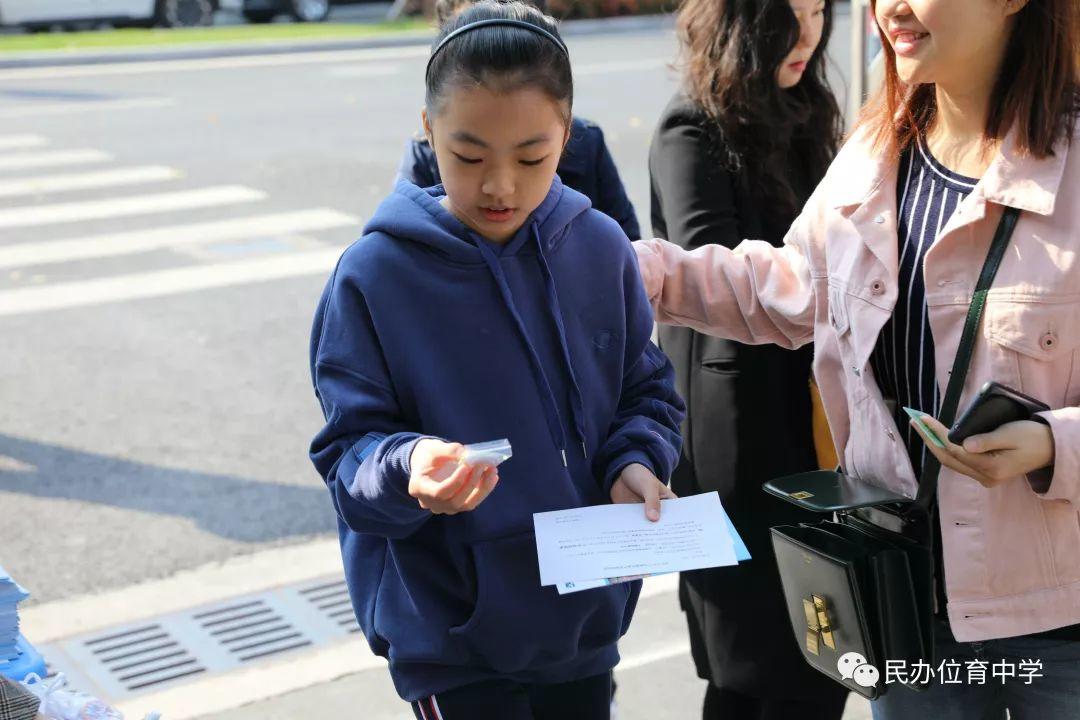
column 947, row 42
column 497, row 154
column 811, row 17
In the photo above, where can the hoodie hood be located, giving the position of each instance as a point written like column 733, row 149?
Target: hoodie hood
column 416, row 214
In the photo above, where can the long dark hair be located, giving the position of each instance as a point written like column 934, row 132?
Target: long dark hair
column 1036, row 90
column 501, row 57
column 731, row 51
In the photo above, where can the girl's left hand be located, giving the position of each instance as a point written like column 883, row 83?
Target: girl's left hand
column 636, row 484
column 1013, row 450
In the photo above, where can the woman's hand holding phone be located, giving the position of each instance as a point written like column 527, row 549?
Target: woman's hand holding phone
column 441, row 483
column 1013, row 450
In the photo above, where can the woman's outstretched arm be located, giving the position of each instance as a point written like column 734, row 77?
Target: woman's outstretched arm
column 755, row 294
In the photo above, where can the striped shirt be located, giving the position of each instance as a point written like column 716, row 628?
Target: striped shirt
column 903, row 360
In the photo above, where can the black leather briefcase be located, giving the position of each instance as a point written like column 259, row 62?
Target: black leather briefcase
column 852, row 586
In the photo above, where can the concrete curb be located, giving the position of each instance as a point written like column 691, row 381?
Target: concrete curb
column 61, row 58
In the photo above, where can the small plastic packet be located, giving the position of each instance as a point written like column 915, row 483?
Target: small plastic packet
column 491, row 453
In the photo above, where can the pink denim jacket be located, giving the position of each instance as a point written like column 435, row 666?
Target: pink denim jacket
column 1012, row 555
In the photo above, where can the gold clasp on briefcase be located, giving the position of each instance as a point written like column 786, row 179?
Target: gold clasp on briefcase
column 818, row 627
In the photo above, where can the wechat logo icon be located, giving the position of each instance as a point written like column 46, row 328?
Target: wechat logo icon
column 853, row 666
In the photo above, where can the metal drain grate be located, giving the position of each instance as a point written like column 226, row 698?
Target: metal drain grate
column 143, row 657
column 170, row 650
column 252, row 630
column 332, row 599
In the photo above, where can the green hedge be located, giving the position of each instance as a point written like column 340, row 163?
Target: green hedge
column 573, row 9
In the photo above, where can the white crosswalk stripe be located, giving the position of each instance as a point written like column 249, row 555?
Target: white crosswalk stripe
column 130, row 242
column 70, row 108
column 233, row 222
column 21, row 142
column 58, row 296
column 52, row 158
column 86, row 181
column 37, row 215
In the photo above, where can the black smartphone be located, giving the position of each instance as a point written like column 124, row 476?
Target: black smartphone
column 992, row 407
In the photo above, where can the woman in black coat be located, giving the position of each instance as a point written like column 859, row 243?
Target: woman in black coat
column 736, row 154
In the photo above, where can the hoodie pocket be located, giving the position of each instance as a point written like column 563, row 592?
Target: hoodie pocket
column 519, row 625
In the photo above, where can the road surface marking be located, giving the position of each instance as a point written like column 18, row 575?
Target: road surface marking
column 37, row 215
column 52, row 158
column 58, row 296
column 19, row 111
column 86, row 181
column 137, row 241
column 21, row 142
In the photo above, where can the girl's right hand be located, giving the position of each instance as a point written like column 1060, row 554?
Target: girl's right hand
column 444, row 486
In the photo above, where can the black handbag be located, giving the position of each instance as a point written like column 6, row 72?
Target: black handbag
column 863, row 582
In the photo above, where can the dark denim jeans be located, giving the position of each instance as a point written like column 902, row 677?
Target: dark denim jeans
column 1056, row 694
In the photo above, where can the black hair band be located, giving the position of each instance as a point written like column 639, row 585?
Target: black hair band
column 510, row 22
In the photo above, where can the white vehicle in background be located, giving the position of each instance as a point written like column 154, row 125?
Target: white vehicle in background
column 44, row 14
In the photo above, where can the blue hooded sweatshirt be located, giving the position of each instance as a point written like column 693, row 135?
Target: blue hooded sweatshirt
column 426, row 329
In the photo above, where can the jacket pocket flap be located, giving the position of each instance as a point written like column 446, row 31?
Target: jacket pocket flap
column 1040, row 330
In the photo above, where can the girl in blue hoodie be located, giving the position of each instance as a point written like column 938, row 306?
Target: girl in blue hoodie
column 499, row 304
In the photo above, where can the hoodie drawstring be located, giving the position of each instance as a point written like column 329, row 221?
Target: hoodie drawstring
column 551, row 409
column 577, row 404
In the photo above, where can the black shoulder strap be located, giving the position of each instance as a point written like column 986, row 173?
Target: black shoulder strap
column 928, row 483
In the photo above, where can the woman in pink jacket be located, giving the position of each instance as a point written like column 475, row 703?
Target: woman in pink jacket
column 979, row 113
